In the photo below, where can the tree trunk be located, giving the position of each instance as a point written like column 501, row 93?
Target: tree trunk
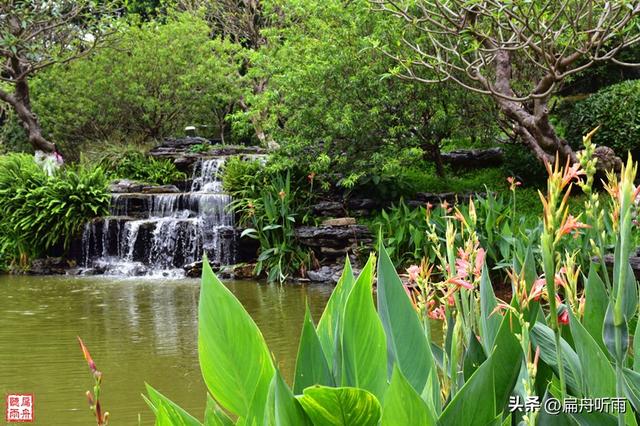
column 531, row 122
column 21, row 104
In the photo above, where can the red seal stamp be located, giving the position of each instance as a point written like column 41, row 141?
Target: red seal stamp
column 19, row 408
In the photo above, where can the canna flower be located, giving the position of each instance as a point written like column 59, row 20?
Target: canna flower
column 414, row 272
column 282, row 194
column 480, row 256
column 429, row 206
column 513, row 183
column 571, row 173
column 437, row 313
column 537, row 289
column 570, row 224
column 311, row 176
column 460, row 282
column 563, row 317
column 445, row 206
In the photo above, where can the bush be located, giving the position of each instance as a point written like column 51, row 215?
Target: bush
column 616, row 109
column 152, row 81
column 41, row 211
column 140, row 167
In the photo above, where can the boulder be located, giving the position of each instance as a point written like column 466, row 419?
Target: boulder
column 474, row 158
column 50, row 266
column 120, row 186
column 340, row 221
column 160, row 189
column 328, row 208
column 194, row 269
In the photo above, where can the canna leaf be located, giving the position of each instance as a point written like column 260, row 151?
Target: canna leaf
column 330, row 324
column 340, row 406
column 403, row 406
column 407, row 345
column 489, row 322
column 167, row 410
column 284, row 409
column 364, row 352
column 595, row 305
column 311, row 365
column 213, row 414
column 235, row 362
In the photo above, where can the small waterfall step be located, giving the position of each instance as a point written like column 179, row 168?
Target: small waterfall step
column 156, row 234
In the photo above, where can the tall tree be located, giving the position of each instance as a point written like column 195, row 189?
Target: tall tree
column 34, row 35
column 516, row 52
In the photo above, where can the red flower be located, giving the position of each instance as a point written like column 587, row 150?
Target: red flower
column 563, row 317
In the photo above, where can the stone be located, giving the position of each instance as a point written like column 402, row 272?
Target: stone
column 194, row 269
column 607, row 159
column 124, row 186
column 474, row 158
column 244, row 271
column 160, row 189
column 328, row 208
column 340, row 221
column 50, row 266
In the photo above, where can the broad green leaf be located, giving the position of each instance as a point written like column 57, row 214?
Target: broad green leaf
column 594, row 419
column 489, row 321
column 364, row 346
column 543, row 337
column 632, row 387
column 492, row 382
column 609, row 331
column 474, row 356
column 403, row 406
column 213, row 414
column 636, row 347
column 311, row 365
column 340, row 406
column 235, row 362
column 330, row 324
column 284, row 409
column 407, row 344
column 165, row 409
column 599, row 380
column 595, row 306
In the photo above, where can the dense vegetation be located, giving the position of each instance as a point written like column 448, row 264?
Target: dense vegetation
column 429, row 358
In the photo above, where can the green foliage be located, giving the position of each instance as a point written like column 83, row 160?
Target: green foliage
column 390, row 365
column 333, row 107
column 521, row 163
column 41, row 211
column 133, row 164
column 242, row 178
column 271, row 218
column 616, row 110
column 151, row 81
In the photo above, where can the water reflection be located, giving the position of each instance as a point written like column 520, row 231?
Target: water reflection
column 137, row 331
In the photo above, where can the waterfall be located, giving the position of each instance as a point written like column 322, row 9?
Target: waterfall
column 157, row 234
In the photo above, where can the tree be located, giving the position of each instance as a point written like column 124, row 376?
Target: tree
column 336, row 111
column 152, row 80
column 518, row 53
column 35, row 35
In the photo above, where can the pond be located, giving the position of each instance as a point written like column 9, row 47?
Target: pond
column 138, row 330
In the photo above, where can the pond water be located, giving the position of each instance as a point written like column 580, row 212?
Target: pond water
column 137, row 330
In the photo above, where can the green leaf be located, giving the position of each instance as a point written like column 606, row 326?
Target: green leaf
column 330, row 324
column 595, row 306
column 492, row 382
column 285, row 409
column 340, row 406
column 235, row 361
column 311, row 365
column 489, row 321
column 609, row 331
column 364, row 346
column 403, row 406
column 165, row 409
column 214, row 415
column 543, row 336
column 407, row 344
column 599, row 380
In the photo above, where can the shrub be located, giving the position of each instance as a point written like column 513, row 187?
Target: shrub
column 153, row 80
column 41, row 211
column 616, row 109
column 143, row 168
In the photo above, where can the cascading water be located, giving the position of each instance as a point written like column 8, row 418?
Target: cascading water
column 157, row 234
